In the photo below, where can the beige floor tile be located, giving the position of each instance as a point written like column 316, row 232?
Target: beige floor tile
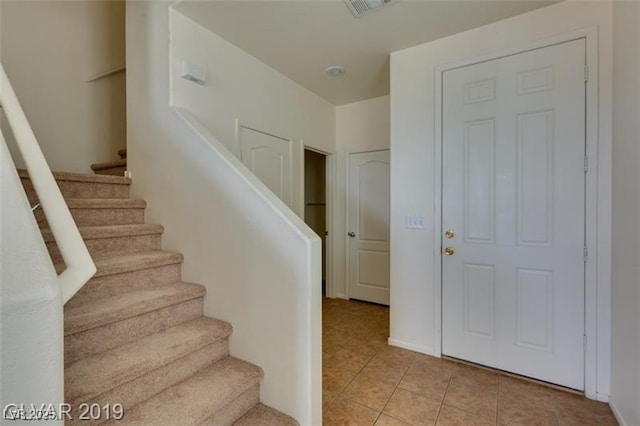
column 384, row 371
column 385, row 420
column 412, row 408
column 328, row 397
column 471, row 375
column 343, row 412
column 365, row 346
column 470, row 394
column 428, row 381
column 349, row 360
column 369, row 392
column 524, row 403
column 335, row 379
column 577, row 410
column 451, row 416
column 357, row 332
column 395, row 355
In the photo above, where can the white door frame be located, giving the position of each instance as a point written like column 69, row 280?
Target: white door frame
column 597, row 215
column 329, row 191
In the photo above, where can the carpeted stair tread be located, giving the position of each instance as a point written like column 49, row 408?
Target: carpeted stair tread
column 116, row 264
column 111, row 231
column 83, row 177
column 106, row 203
column 94, row 375
column 263, row 415
column 107, row 310
column 108, row 165
column 199, row 397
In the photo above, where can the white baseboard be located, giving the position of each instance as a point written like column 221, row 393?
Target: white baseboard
column 602, row 397
column 617, row 414
column 416, row 348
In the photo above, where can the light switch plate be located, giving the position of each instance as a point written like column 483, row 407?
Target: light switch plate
column 415, row 222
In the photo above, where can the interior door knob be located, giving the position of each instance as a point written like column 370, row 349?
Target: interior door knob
column 351, row 234
column 449, row 233
column 449, row 251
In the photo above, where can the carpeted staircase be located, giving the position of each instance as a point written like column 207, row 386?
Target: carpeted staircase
column 135, row 334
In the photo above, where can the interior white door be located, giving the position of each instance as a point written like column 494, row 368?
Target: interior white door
column 369, row 226
column 513, row 179
column 271, row 159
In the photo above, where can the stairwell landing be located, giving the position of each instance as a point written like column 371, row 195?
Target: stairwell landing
column 135, row 334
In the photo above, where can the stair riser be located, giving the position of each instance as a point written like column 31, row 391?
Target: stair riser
column 142, row 388
column 113, row 245
column 89, row 342
column 113, row 171
column 99, row 217
column 78, row 189
column 235, row 409
column 110, row 285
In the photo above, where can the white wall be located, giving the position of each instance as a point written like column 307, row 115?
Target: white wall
column 49, row 50
column 414, row 300
column 241, row 87
column 360, row 126
column 259, row 262
column 31, row 336
column 625, row 356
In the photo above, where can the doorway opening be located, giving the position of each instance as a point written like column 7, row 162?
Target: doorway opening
column 315, row 202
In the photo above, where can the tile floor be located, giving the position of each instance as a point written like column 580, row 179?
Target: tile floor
column 367, row 382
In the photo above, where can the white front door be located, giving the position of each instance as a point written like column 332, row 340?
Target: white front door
column 271, row 159
column 513, row 199
column 368, row 229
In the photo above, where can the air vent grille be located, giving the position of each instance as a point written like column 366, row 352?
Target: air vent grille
column 364, row 7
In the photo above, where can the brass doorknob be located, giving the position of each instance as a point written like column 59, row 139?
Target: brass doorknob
column 449, row 233
column 449, row 251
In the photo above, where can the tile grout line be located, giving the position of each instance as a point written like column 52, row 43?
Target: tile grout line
column 443, row 398
column 395, row 389
column 340, row 392
column 553, row 406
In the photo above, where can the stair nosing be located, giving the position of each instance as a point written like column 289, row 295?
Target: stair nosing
column 161, row 257
column 105, row 203
column 115, row 357
column 98, row 232
column 190, row 291
column 82, row 177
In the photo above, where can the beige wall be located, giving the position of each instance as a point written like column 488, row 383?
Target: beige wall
column 49, row 50
column 360, row 127
column 625, row 356
column 241, row 87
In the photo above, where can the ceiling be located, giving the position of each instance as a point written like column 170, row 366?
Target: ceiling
column 301, row 38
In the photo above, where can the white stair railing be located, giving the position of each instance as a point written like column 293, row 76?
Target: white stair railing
column 80, row 266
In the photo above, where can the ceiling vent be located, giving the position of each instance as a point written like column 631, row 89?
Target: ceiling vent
column 364, row 7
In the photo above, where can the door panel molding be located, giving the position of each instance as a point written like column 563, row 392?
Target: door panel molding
column 294, row 193
column 597, row 209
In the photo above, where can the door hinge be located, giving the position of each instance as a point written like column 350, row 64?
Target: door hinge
column 586, row 73
column 584, row 343
column 586, row 163
column 586, row 253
